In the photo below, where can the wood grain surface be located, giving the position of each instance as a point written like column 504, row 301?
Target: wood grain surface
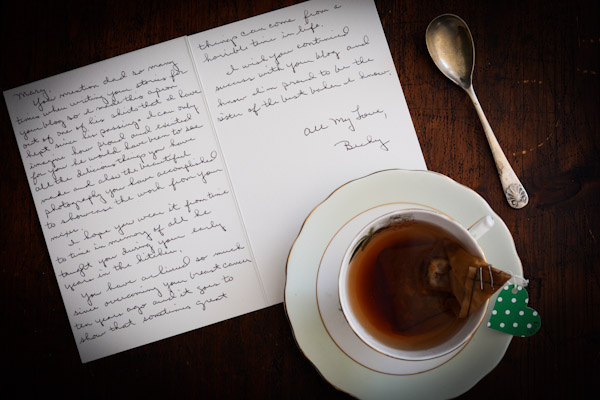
column 537, row 78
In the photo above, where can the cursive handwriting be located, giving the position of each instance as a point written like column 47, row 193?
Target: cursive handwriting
column 99, row 153
column 382, row 145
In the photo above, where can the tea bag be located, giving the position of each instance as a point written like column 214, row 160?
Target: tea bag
column 414, row 307
column 470, row 279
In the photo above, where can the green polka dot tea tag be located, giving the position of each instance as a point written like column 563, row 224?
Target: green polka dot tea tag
column 511, row 314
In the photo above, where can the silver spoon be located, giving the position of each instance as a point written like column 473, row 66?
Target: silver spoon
column 451, row 47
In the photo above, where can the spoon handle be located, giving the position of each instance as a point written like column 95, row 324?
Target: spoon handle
column 513, row 189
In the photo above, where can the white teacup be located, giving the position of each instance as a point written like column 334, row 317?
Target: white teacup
column 450, row 339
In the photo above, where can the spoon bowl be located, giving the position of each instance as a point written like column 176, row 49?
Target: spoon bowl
column 450, row 44
column 451, row 47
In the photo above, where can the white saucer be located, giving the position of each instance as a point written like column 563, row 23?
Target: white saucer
column 330, row 308
column 355, row 370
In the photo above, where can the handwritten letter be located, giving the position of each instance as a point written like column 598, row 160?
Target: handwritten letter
column 169, row 203
column 134, row 201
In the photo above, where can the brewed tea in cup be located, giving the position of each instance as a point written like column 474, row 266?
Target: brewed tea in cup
column 393, row 292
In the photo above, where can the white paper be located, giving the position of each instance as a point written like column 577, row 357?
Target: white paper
column 170, row 182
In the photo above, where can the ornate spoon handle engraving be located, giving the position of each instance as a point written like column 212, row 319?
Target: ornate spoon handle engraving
column 513, row 189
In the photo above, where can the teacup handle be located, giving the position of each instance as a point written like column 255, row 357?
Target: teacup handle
column 481, row 227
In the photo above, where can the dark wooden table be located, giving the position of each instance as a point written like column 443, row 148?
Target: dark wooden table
column 537, row 77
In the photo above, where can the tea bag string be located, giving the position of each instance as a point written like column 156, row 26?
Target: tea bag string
column 523, row 283
column 521, row 280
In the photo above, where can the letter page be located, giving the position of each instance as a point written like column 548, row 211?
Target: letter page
column 134, row 200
